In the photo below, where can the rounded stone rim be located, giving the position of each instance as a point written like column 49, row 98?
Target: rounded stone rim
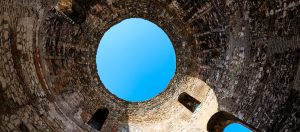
column 181, row 60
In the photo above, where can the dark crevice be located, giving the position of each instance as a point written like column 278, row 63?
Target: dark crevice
column 98, row 119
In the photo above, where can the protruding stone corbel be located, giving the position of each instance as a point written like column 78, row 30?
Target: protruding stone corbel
column 71, row 11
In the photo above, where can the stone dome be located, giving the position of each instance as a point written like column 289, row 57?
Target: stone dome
column 242, row 57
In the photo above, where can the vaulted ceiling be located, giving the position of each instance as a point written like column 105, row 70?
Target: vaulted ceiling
column 242, row 57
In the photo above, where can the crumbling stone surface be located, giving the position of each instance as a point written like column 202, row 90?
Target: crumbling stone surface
column 244, row 53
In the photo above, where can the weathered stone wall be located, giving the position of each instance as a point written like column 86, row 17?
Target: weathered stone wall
column 257, row 76
column 25, row 104
column 247, row 52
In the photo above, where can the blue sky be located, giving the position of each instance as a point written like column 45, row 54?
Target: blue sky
column 236, row 127
column 135, row 60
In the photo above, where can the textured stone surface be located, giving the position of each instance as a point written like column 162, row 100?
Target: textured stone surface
column 243, row 56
